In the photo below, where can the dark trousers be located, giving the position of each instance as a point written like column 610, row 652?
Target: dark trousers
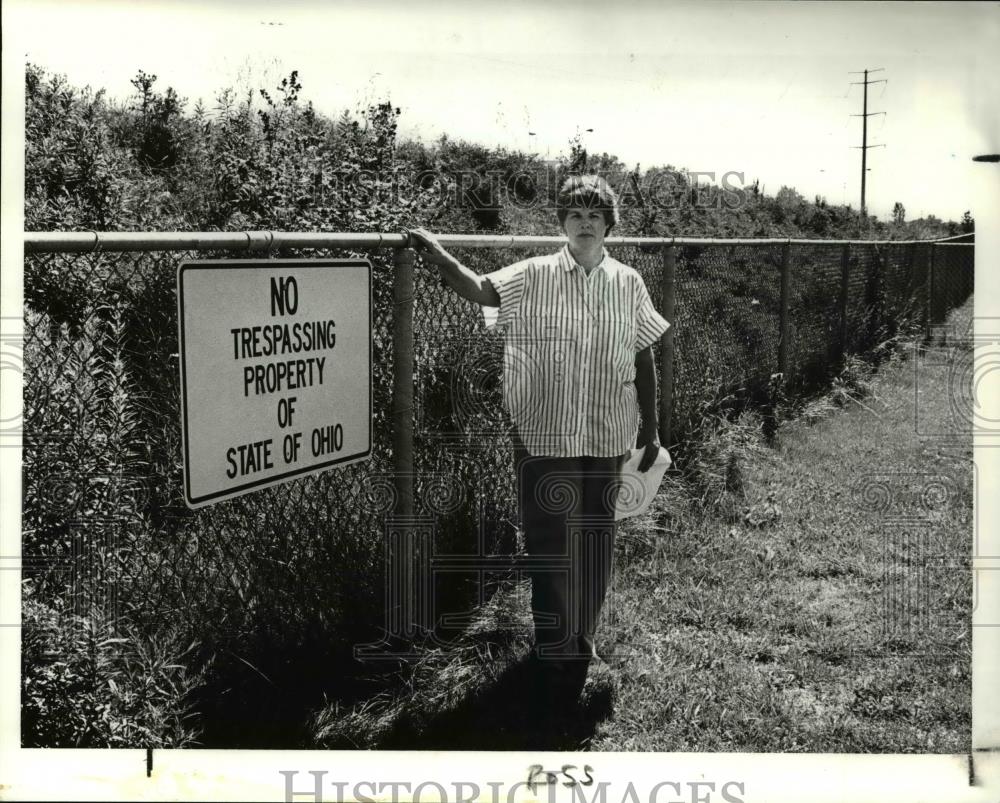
column 567, row 508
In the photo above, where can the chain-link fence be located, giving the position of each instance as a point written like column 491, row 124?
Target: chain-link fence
column 304, row 563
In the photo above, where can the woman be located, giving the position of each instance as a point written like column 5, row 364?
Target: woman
column 578, row 371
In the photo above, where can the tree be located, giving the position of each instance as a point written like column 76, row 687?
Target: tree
column 155, row 132
column 968, row 222
column 898, row 214
column 578, row 160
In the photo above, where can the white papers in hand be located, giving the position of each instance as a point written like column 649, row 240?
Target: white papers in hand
column 638, row 488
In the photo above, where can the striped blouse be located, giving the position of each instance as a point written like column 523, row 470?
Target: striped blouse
column 569, row 354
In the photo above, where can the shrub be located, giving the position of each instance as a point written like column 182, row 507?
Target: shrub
column 89, row 682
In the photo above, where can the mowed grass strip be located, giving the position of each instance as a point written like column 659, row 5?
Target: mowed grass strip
column 825, row 605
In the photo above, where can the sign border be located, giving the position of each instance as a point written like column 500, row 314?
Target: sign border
column 233, row 264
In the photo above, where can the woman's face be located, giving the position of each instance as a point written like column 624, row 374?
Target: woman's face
column 585, row 227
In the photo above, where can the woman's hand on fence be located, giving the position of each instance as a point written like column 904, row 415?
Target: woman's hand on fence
column 467, row 283
column 429, row 247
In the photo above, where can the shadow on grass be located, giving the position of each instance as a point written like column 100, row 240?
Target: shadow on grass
column 251, row 714
column 484, row 695
column 268, row 705
column 513, row 713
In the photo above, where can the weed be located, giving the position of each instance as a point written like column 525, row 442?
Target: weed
column 87, row 681
column 716, row 464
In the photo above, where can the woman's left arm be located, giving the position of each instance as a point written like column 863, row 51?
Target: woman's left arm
column 645, row 386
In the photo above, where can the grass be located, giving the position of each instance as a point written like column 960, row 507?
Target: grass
column 769, row 632
column 804, row 596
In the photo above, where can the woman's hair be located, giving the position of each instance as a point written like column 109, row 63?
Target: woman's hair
column 591, row 192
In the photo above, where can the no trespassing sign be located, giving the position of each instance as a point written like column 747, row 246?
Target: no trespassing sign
column 276, row 375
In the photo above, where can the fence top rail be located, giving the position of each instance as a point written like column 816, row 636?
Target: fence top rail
column 50, row 242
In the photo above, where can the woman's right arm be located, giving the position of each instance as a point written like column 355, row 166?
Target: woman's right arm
column 466, row 283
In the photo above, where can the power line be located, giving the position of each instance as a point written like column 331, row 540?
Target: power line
column 865, row 114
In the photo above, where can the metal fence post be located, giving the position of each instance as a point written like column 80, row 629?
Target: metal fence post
column 667, row 344
column 911, row 270
column 927, row 280
column 911, row 263
column 402, row 379
column 784, row 323
column 845, row 277
column 969, row 272
column 930, row 288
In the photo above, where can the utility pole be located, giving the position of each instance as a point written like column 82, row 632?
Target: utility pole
column 865, row 114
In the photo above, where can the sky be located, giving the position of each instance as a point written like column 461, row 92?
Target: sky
column 762, row 89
